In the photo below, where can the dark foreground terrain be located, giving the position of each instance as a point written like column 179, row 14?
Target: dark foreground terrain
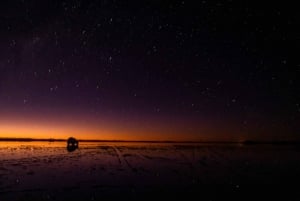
column 140, row 171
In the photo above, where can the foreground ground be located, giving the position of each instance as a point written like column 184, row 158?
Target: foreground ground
column 139, row 171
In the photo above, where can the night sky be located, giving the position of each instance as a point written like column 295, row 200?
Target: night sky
column 149, row 70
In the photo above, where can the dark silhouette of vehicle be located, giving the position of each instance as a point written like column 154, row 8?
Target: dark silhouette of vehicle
column 72, row 144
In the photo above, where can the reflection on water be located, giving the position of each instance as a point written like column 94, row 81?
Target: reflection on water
column 18, row 144
column 60, row 144
column 105, row 169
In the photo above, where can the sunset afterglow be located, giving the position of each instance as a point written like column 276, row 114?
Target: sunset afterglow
column 154, row 72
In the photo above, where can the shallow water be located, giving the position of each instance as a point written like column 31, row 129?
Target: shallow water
column 97, row 171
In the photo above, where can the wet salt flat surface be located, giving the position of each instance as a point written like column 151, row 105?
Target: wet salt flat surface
column 139, row 171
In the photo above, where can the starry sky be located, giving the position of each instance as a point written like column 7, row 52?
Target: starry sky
column 149, row 70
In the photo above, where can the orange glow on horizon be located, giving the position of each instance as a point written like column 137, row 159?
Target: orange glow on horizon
column 44, row 132
column 101, row 131
column 83, row 127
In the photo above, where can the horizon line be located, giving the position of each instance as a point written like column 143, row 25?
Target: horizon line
column 11, row 139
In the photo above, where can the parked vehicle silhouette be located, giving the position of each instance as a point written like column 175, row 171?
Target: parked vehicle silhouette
column 72, row 144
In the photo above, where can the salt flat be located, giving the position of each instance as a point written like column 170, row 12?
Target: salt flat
column 140, row 171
